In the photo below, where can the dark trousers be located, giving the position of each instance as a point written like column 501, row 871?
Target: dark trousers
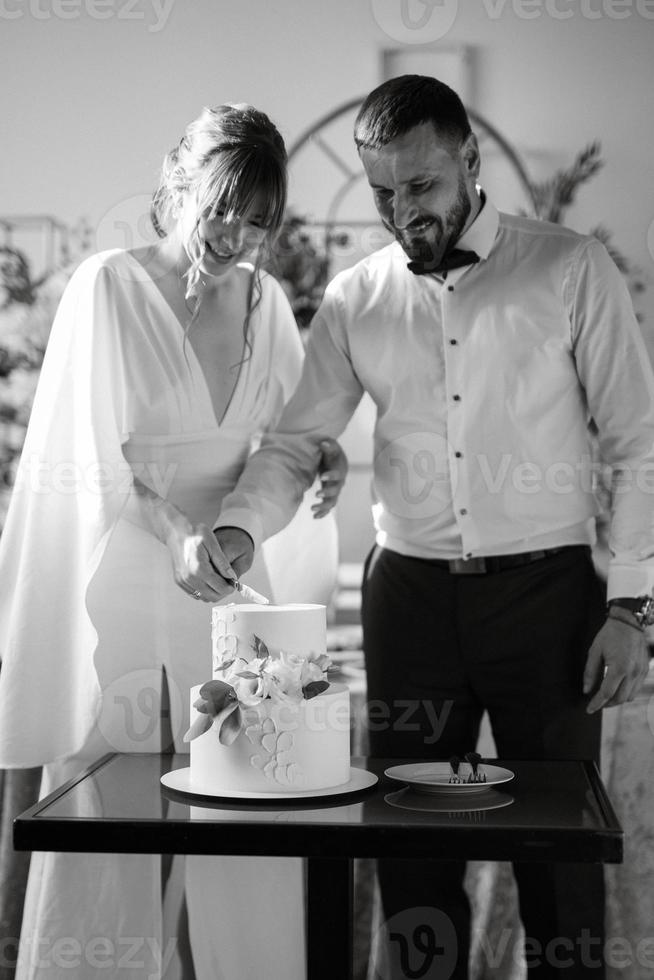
column 513, row 643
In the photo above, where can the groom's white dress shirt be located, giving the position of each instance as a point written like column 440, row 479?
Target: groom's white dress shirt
column 485, row 384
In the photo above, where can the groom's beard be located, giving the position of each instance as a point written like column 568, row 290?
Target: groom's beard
column 439, row 235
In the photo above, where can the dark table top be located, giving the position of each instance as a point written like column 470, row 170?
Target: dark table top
column 550, row 811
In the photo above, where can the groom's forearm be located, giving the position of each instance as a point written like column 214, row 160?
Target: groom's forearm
column 270, row 489
column 275, row 478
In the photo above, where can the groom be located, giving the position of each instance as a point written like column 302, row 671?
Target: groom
column 487, row 342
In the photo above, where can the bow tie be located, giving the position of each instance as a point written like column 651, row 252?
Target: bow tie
column 451, row 260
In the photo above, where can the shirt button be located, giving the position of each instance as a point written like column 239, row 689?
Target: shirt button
column 450, row 289
column 456, row 398
column 458, row 455
column 463, row 512
column 454, row 343
column 468, row 554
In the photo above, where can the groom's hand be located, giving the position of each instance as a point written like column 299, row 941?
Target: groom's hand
column 237, row 546
column 332, row 470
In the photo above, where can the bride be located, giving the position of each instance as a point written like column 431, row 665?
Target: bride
column 164, row 366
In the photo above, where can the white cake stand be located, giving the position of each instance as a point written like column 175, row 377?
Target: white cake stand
column 360, row 779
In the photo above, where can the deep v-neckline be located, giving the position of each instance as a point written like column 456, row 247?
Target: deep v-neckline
column 195, row 364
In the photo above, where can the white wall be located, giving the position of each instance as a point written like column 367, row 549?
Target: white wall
column 91, row 105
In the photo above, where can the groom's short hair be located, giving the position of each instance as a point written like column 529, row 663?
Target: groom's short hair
column 400, row 104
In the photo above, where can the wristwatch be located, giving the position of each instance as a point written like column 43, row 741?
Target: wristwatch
column 642, row 608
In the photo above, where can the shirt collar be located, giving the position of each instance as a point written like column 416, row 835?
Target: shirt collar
column 481, row 234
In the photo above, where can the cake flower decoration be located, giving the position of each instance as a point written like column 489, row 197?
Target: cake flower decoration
column 285, row 678
column 218, row 702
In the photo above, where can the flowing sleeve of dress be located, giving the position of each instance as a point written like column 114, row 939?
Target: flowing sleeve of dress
column 71, row 486
column 302, row 559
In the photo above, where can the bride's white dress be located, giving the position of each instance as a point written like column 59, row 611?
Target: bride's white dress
column 90, row 617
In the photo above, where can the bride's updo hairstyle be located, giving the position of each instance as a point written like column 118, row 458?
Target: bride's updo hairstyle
column 229, row 157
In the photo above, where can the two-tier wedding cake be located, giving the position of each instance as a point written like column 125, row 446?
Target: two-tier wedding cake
column 269, row 721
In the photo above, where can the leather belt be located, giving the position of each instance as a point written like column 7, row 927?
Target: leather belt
column 490, row 564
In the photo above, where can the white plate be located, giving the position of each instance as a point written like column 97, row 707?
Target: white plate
column 433, row 777
column 406, row 799
column 180, row 780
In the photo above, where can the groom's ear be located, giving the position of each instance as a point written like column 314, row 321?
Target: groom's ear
column 470, row 155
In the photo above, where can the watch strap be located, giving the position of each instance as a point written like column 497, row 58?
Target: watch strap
column 640, row 607
column 634, row 605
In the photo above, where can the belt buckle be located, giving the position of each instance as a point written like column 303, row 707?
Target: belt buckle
column 468, row 566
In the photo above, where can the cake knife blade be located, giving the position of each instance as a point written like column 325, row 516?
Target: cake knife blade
column 250, row 595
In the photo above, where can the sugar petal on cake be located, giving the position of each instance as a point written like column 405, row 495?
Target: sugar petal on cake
column 314, row 688
column 269, row 742
column 285, row 741
column 254, row 734
column 229, row 723
column 201, row 725
column 217, row 693
column 259, row 646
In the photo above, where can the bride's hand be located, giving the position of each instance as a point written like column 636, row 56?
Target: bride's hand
column 200, row 567
column 332, row 470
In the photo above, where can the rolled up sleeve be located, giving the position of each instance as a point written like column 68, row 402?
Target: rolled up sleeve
column 616, row 373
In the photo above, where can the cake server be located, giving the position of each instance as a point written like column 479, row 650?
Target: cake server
column 250, row 595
